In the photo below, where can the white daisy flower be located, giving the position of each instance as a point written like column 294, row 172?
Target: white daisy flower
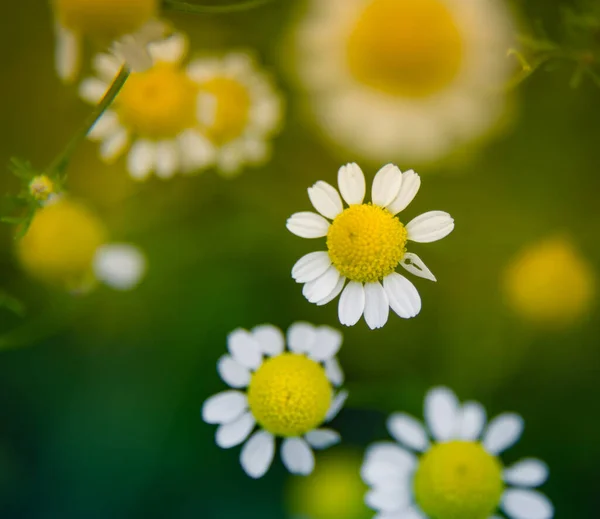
column 289, row 394
column 238, row 108
column 404, row 79
column 457, row 473
column 154, row 116
column 365, row 245
column 129, row 25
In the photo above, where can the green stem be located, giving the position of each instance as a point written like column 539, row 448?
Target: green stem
column 61, row 161
column 185, row 7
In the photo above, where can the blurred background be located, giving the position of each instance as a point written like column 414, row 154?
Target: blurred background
column 100, row 394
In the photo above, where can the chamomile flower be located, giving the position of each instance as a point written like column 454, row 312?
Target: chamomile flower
column 365, row 245
column 289, row 394
column 238, row 107
column 67, row 245
column 457, row 474
column 128, row 24
column 404, row 79
column 154, row 115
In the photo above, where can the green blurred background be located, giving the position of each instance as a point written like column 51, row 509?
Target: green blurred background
column 100, row 395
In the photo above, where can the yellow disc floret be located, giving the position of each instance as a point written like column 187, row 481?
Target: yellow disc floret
column 41, row 187
column 105, row 19
column 366, row 243
column 407, row 48
column 458, row 480
column 289, row 395
column 228, row 107
column 60, row 244
column 158, row 103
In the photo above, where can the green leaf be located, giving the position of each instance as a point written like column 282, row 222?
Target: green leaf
column 21, row 168
column 12, row 220
column 11, row 303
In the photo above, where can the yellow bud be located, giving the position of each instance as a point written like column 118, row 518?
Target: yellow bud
column 41, row 187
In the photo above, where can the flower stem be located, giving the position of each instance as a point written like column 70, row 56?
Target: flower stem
column 186, row 7
column 61, row 161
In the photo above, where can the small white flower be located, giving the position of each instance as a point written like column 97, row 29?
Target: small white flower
column 119, row 265
column 456, row 473
column 365, row 243
column 289, row 394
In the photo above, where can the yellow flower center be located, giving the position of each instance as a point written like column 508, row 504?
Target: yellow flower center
column 105, row 19
column 227, row 108
column 41, row 187
column 159, row 103
column 60, row 244
column 458, row 480
column 407, row 48
column 289, row 395
column 366, row 243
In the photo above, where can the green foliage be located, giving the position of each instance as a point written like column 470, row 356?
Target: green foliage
column 11, row 303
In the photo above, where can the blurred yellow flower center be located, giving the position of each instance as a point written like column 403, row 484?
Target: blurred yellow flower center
column 226, row 108
column 409, row 48
column 366, row 243
column 41, row 187
column 550, row 283
column 60, row 244
column 289, row 395
column 105, row 19
column 158, row 103
column 458, row 480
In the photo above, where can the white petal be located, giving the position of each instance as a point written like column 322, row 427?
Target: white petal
column 322, row 438
column 133, row 52
column 336, row 405
column 244, row 348
column 352, row 304
column 408, row 430
column 502, row 432
column 231, row 434
column 412, row 513
column 327, row 343
column 269, row 338
column 307, row 225
column 388, row 500
column 106, row 66
column 224, row 407
column 386, row 185
column 114, row 146
column 325, row 199
column 408, row 190
column 415, row 265
column 92, row 90
column 301, row 337
column 66, row 53
column 197, row 152
column 311, row 266
column 334, row 372
column 106, row 125
column 141, row 159
column 297, row 456
column 384, row 473
column 321, row 287
column 526, row 504
column 390, row 515
column 257, row 454
column 232, row 372
column 119, row 265
column 431, row 226
column 334, row 293
column 351, row 182
column 167, row 158
column 471, row 421
column 442, row 413
column 527, row 473
column 402, row 295
column 377, row 306
column 170, row 50
column 389, row 452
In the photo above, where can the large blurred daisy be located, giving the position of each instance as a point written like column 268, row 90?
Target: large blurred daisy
column 409, row 79
column 458, row 473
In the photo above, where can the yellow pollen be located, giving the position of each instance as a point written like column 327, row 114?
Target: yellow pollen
column 458, row 480
column 289, row 395
column 105, row 19
column 158, row 103
column 60, row 244
column 366, row 243
column 228, row 104
column 405, row 48
column 41, row 187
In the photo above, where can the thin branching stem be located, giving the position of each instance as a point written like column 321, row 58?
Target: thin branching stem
column 187, row 7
